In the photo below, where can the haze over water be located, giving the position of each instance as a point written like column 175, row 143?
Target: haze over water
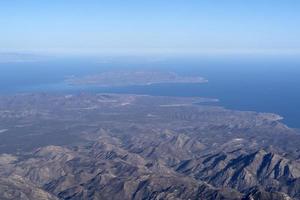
column 260, row 83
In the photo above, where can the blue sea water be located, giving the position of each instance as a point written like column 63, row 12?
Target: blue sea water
column 254, row 83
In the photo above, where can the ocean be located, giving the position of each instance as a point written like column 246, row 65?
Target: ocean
column 251, row 83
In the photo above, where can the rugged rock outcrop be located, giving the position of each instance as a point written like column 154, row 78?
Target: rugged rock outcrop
column 141, row 147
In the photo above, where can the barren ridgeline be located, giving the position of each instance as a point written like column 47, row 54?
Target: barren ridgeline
column 104, row 146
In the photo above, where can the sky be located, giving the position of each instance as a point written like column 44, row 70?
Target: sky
column 136, row 26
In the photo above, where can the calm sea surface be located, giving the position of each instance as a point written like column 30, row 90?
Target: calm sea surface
column 264, row 84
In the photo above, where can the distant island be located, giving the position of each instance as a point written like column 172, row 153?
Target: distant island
column 122, row 78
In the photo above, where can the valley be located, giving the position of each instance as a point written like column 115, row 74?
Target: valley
column 112, row 146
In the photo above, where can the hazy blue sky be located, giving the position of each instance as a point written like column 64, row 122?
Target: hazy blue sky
column 150, row 25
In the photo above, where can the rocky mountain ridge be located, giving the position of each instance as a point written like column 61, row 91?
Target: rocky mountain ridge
column 143, row 147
